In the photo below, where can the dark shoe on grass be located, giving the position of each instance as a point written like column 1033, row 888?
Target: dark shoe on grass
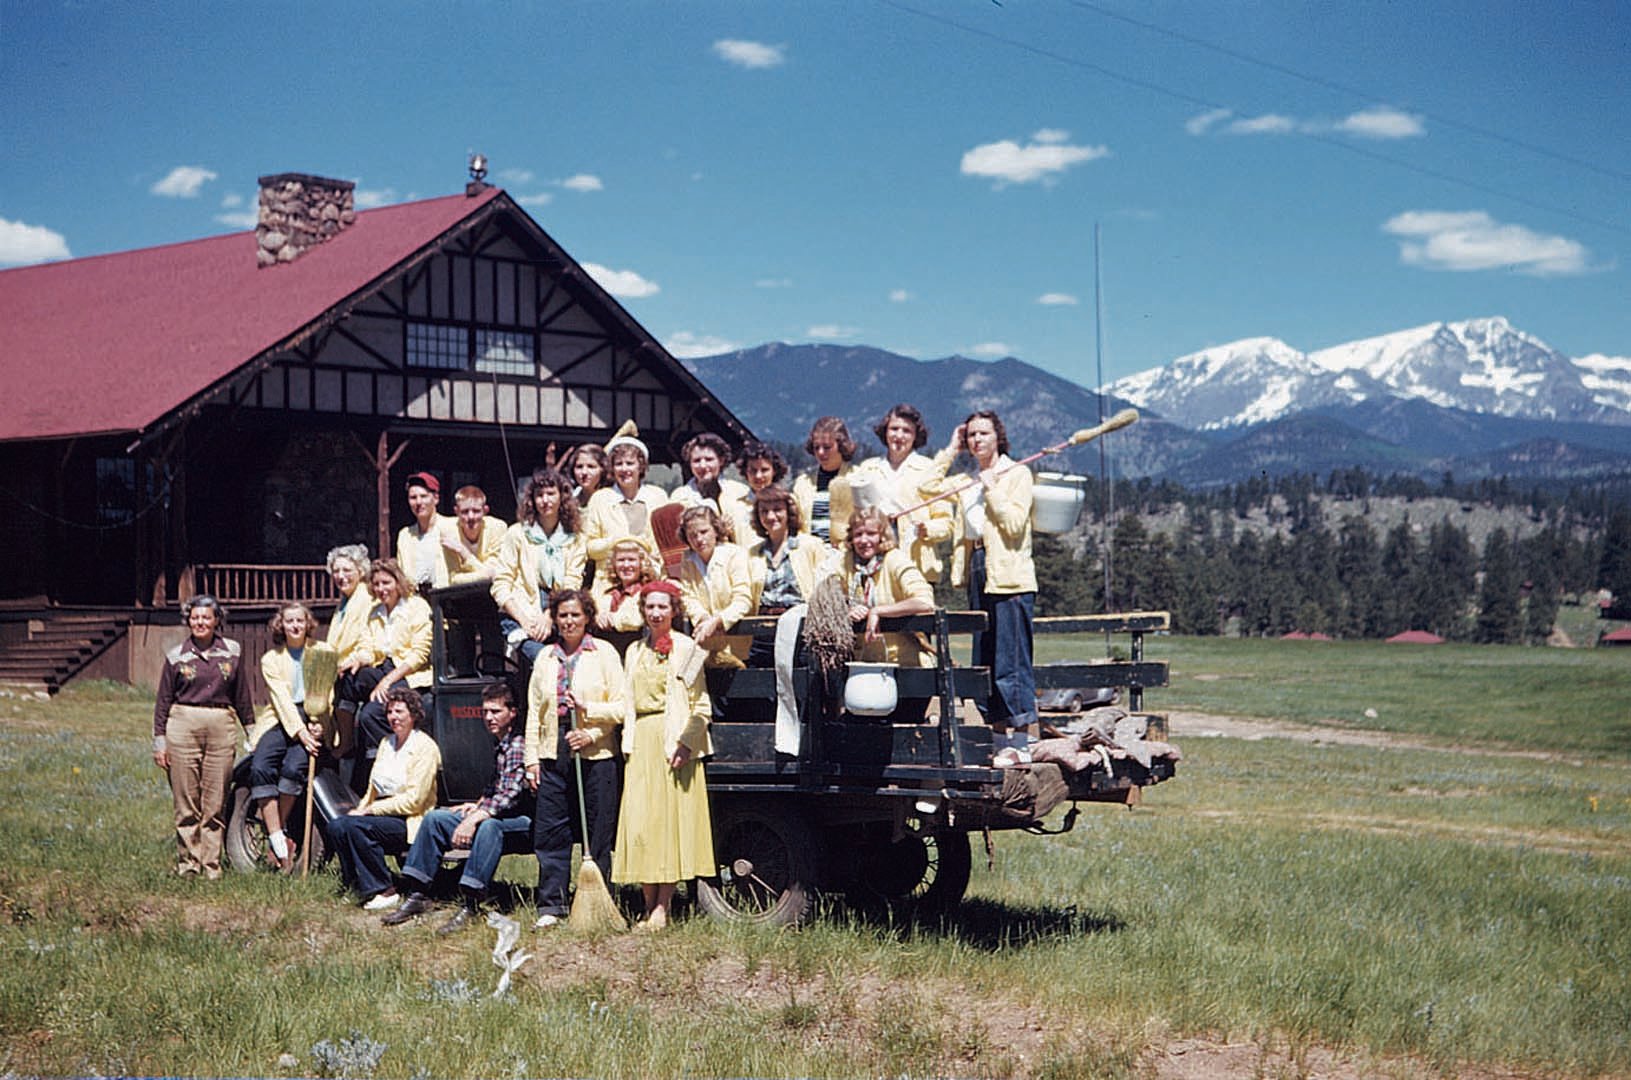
column 415, row 905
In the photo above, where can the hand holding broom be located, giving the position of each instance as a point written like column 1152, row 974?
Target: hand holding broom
column 592, row 906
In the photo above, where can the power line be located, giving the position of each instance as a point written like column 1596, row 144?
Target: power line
column 1191, row 99
column 1358, row 92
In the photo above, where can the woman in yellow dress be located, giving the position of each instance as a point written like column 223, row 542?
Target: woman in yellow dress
column 664, row 835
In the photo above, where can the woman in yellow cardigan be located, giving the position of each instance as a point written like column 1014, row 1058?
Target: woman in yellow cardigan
column 824, row 496
column 293, row 726
column 401, row 791
column 664, row 835
column 542, row 552
column 399, row 628
column 899, row 481
column 622, row 506
column 348, row 633
column 716, row 587
column 883, row 583
column 993, row 558
column 617, row 593
column 784, row 564
column 575, row 703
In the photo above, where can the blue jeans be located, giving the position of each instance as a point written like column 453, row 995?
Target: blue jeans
column 486, row 848
column 362, row 842
column 528, row 649
column 1005, row 648
column 278, row 765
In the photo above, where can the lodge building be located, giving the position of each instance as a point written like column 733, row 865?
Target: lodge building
column 214, row 415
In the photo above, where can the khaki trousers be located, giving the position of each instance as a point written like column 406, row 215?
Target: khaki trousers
column 202, row 744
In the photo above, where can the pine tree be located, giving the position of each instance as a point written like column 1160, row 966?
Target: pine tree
column 1499, row 620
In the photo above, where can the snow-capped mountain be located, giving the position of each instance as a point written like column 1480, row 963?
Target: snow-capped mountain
column 1608, row 378
column 1479, row 366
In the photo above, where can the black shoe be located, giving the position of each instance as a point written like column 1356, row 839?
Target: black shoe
column 461, row 919
column 415, row 905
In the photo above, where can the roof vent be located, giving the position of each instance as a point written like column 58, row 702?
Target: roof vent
column 298, row 212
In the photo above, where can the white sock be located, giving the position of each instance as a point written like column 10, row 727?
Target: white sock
column 1019, row 739
column 280, row 844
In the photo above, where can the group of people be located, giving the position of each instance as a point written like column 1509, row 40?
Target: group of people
column 617, row 710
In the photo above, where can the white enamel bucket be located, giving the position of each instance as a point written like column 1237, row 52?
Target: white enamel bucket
column 1057, row 501
column 869, row 689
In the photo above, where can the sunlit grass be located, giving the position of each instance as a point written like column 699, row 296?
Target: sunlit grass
column 1441, row 908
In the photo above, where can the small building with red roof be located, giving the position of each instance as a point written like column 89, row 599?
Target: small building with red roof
column 1415, row 637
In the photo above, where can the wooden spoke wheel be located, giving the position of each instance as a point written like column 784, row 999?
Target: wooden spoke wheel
column 246, row 846
column 768, row 860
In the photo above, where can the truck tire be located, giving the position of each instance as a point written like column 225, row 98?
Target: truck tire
column 768, row 862
column 246, row 836
column 926, row 872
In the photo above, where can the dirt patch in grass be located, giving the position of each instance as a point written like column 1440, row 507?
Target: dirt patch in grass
column 1197, row 725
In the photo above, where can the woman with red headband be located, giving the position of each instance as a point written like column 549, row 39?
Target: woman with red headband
column 664, row 835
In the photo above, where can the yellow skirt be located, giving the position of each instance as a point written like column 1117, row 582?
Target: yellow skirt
column 663, row 830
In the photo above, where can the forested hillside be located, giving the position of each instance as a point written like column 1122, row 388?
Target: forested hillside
column 1350, row 556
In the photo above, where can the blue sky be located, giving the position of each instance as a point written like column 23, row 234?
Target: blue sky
column 924, row 177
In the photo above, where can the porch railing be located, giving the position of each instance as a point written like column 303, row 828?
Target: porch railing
column 254, row 586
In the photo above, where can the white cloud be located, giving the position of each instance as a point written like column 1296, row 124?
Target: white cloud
column 582, row 182
column 1378, row 122
column 687, row 345
column 1467, row 240
column 1267, row 124
column 1051, row 135
column 622, row 283
column 993, row 349
column 831, row 331
column 230, row 200
column 1055, row 299
column 1007, row 162
column 750, row 54
column 773, row 283
column 183, row 182
column 1200, row 125
column 239, row 219
column 543, row 198
column 1383, row 122
column 21, row 244
column 368, row 199
column 517, row 176
column 899, row 296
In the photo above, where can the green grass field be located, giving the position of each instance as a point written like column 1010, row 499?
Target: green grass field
column 1437, row 912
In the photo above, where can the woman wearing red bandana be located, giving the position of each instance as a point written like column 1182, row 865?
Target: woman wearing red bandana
column 883, row 583
column 664, row 835
column 617, row 592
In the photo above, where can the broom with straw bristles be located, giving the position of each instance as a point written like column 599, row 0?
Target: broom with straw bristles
column 593, row 908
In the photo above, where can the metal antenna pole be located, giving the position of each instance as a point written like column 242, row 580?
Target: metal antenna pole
column 1108, row 493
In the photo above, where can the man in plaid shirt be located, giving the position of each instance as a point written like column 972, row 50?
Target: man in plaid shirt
column 483, row 826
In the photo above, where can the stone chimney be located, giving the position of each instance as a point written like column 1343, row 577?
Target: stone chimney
column 298, row 212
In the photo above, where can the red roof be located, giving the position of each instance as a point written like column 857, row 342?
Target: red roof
column 112, row 343
column 1320, row 636
column 1294, row 635
column 1415, row 637
column 1622, row 636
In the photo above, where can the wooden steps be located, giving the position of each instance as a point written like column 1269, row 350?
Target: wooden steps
column 58, row 648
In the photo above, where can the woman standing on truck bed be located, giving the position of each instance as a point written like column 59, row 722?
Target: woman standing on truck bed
column 993, row 559
column 663, row 831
